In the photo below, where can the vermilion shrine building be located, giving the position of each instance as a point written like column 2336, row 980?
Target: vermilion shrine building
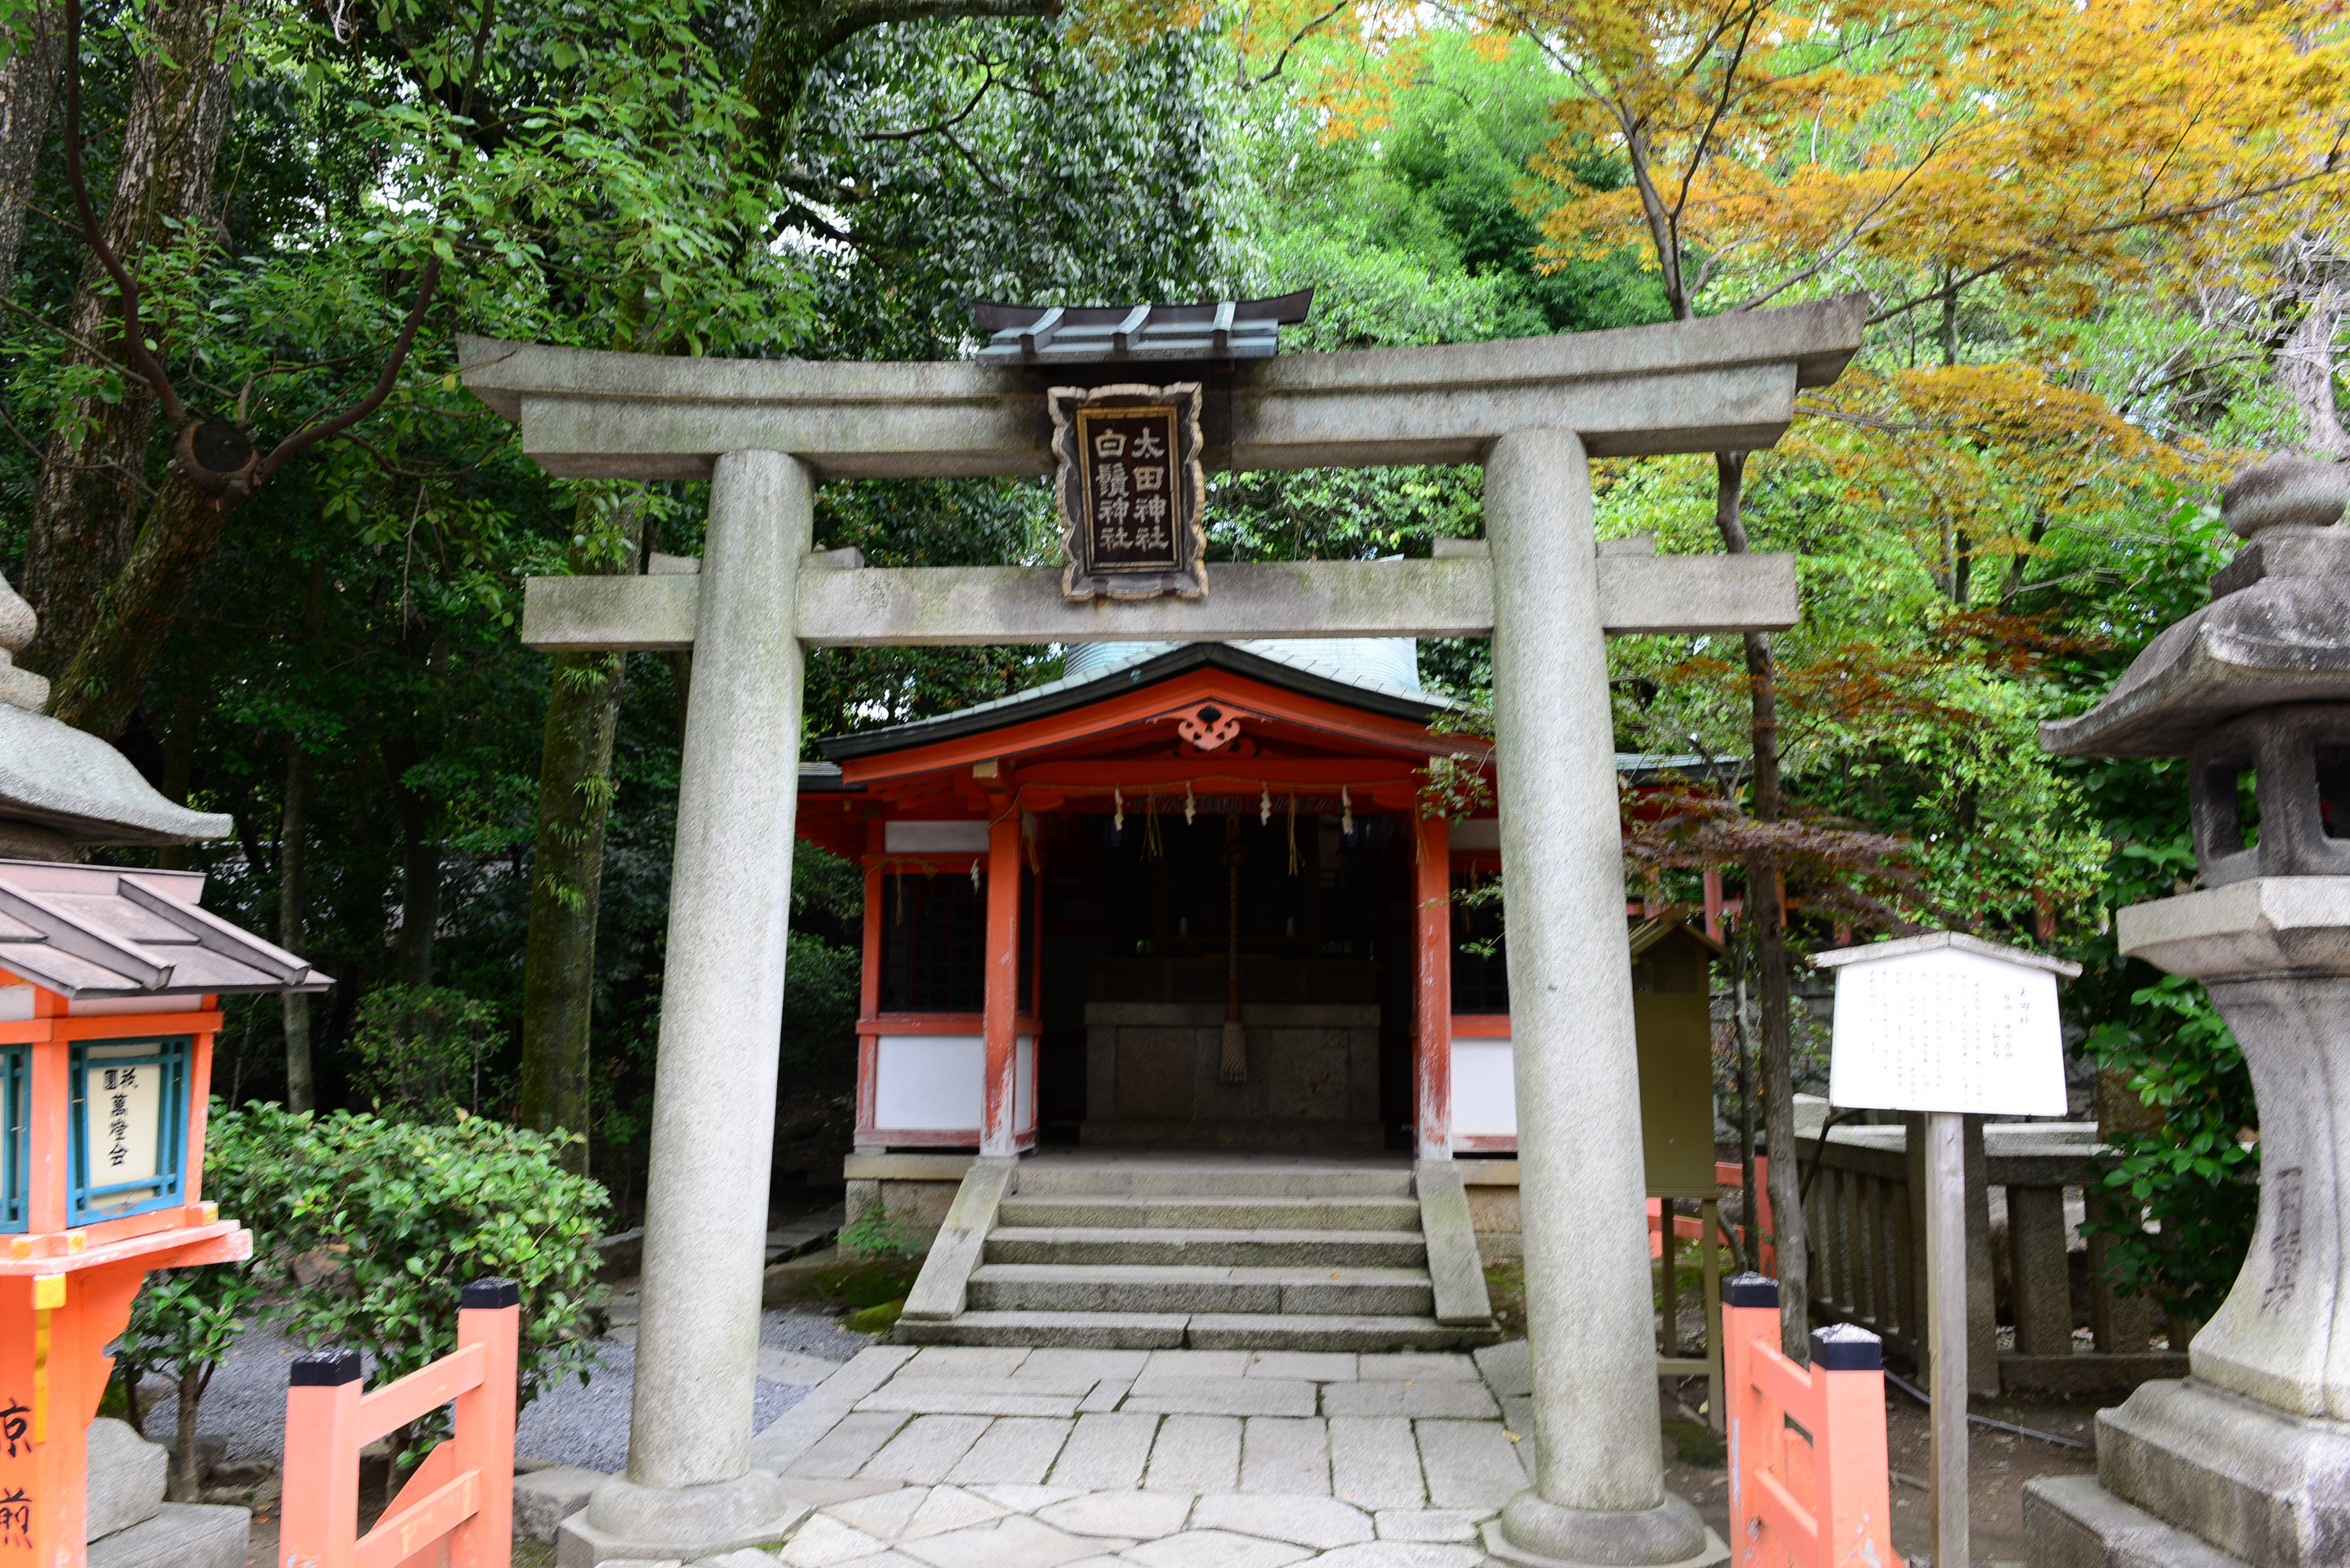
column 1056, row 876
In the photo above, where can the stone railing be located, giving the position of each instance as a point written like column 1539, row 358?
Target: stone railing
column 1865, row 1219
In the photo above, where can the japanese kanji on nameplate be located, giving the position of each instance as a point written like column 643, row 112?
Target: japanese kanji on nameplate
column 1947, row 1023
column 1130, row 489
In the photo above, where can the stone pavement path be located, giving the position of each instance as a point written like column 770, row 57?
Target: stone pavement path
column 954, row 1457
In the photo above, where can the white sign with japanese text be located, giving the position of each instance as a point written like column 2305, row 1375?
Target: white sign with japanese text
column 123, row 1129
column 1946, row 1029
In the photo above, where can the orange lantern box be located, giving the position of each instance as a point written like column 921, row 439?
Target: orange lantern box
column 109, row 981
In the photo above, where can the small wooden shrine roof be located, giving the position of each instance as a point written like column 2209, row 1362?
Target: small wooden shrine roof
column 106, row 931
column 1087, row 334
column 1151, row 664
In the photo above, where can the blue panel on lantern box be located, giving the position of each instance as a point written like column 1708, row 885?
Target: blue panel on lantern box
column 129, row 1127
column 15, row 1135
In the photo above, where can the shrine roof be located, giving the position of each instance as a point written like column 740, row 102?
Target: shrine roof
column 111, row 931
column 1278, row 663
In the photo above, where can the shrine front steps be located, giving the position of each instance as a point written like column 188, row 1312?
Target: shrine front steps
column 1269, row 1254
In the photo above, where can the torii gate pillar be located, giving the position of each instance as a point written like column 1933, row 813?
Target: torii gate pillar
column 1600, row 1489
column 690, row 1484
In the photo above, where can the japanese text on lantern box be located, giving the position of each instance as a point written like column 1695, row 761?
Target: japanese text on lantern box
column 1133, row 487
column 1948, row 1030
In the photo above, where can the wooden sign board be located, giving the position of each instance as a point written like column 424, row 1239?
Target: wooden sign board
column 1947, row 1023
column 1131, row 491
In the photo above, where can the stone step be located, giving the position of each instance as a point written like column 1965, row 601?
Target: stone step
column 1259, row 1249
column 1197, row 1331
column 1152, row 1289
column 1197, row 1212
column 1239, row 1179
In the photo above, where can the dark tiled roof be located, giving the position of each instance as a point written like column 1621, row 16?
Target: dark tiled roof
column 1087, row 334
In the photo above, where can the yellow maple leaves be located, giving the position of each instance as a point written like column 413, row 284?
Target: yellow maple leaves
column 1763, row 144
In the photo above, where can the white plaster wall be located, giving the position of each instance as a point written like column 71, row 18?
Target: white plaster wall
column 1023, row 1084
column 16, row 1004
column 928, row 1081
column 1484, row 1088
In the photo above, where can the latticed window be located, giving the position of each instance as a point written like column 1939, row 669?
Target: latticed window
column 933, row 943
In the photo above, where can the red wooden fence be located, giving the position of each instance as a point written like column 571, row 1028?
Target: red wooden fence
column 458, row 1508
column 1809, row 1479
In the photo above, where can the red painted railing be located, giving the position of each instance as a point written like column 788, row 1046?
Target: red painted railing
column 1810, row 1485
column 458, row 1508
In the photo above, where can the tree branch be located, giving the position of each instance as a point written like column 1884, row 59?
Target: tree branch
column 1294, row 39
column 149, row 367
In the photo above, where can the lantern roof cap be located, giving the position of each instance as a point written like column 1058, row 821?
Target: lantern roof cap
column 112, row 932
column 2277, row 630
column 74, row 783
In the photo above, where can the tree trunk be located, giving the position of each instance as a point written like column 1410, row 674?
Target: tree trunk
column 180, row 758
column 293, row 859
column 86, row 504
column 575, row 799
column 420, row 892
column 558, row 986
column 1767, row 919
column 187, row 1473
column 28, row 85
column 2305, row 362
column 129, row 618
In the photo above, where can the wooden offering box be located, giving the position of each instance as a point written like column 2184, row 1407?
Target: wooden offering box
column 110, row 982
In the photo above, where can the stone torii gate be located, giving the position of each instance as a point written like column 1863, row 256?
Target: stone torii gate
column 1532, row 413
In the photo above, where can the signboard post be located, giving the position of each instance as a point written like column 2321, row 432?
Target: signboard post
column 1953, row 1026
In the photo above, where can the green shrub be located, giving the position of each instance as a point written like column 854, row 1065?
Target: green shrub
column 821, row 989
column 874, row 1234
column 366, row 1229
column 182, row 1326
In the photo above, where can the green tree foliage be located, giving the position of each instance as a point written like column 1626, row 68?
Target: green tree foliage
column 421, row 1050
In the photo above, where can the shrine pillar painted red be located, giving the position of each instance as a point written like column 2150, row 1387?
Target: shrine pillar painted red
column 1431, row 1024
column 1001, row 1019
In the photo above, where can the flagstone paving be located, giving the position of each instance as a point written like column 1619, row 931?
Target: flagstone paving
column 961, row 1457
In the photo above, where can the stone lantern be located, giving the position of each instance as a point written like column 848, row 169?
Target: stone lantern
column 2246, row 1461
column 110, row 979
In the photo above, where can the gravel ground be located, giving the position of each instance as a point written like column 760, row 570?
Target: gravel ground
column 571, row 1424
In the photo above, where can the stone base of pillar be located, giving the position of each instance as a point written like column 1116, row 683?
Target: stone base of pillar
column 2235, row 1478
column 1535, row 1532
column 2071, row 1521
column 623, row 1520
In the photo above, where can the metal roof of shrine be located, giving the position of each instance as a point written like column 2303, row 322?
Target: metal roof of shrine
column 108, row 931
column 1344, row 675
column 1087, row 334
